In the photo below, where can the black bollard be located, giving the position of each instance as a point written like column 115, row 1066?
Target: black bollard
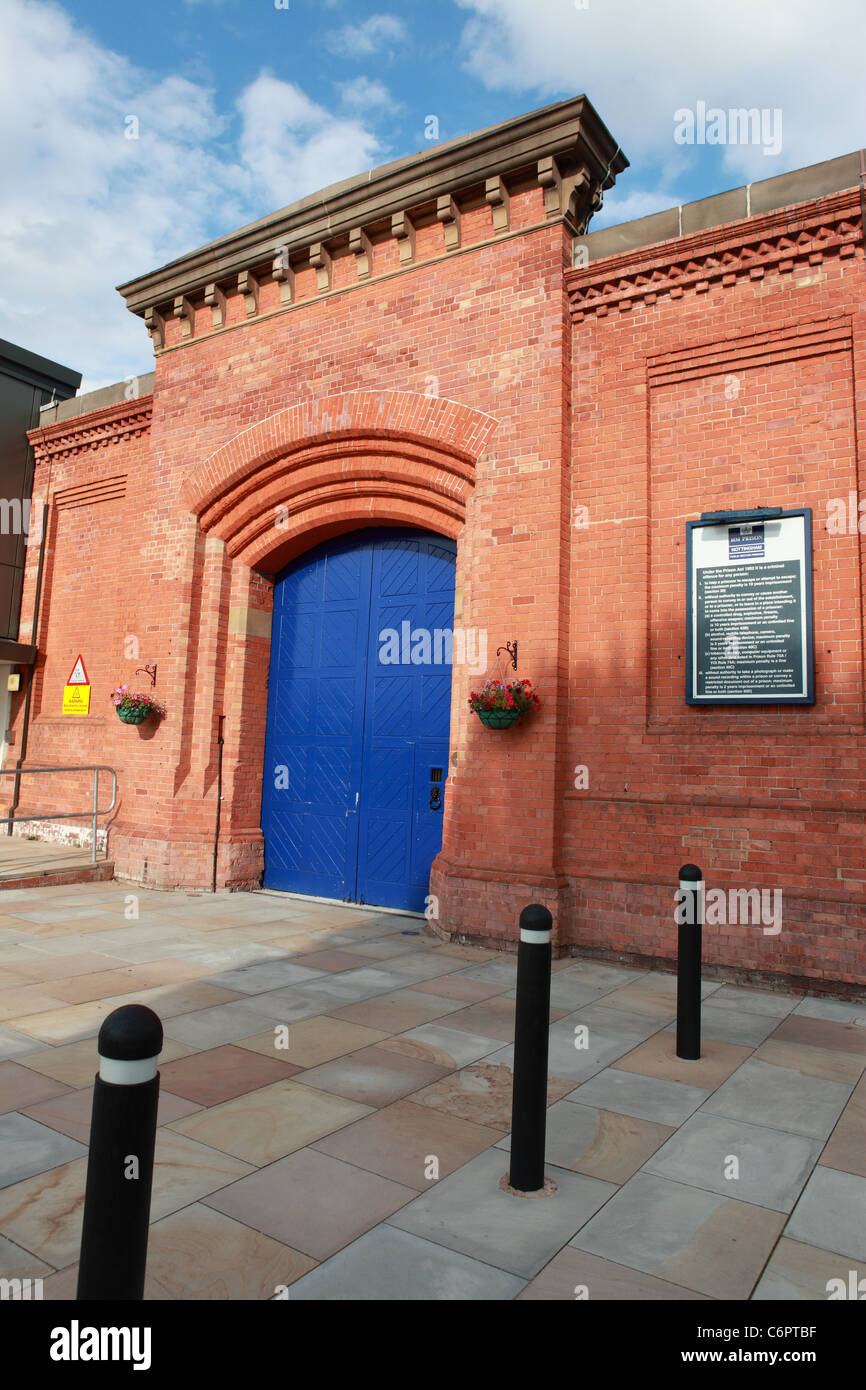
column 120, row 1165
column 690, row 916
column 531, row 1024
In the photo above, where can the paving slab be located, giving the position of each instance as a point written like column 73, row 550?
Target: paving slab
column 781, row 1099
column 255, row 979
column 488, row 1018
column 399, row 1142
column 831, row 1035
column 831, row 1213
column 373, row 1076
column 456, row 987
column 711, row 1244
column 613, row 1022
column 657, row 1057
column 20, row 1087
column 482, row 1093
column 221, row 1073
column 199, row 1253
column 397, row 1012
column 573, row 1274
column 222, row 1024
column 835, row 1010
column 602, row 976
column 334, row 960
column 265, row 1125
column 76, row 1064
column 43, row 1214
column 846, row 1147
column 644, row 1097
column 644, row 996
column 494, row 972
column 16, row 1263
column 14, row 1044
column 770, row 1168
column 804, row 1272
column 423, row 965
column 599, row 1143
column 754, row 1001
column 29, row 1148
column 469, row 1212
column 723, row 1023
column 312, row 1041
column 446, row 1047
column 72, row 1112
column 391, row 1265
column 353, row 986
column 811, row 1061
column 312, row 1202
column 586, row 1041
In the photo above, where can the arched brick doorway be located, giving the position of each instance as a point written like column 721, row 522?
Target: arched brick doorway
column 273, row 493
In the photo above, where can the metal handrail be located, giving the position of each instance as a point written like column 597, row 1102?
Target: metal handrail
column 95, row 768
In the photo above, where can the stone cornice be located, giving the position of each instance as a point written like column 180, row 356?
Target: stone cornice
column 93, row 431
column 809, row 232
column 565, row 149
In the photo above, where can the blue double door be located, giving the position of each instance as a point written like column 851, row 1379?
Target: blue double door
column 359, row 698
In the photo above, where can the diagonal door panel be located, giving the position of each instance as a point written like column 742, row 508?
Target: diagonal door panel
column 354, row 733
column 315, row 721
column 406, row 727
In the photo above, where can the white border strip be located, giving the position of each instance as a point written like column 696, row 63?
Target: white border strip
column 127, row 1073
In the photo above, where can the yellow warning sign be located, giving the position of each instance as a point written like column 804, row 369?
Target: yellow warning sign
column 76, row 699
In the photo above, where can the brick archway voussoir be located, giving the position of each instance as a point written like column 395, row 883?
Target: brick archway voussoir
column 445, row 425
column 322, row 521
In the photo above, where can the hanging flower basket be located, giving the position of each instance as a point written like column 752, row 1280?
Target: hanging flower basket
column 498, row 718
column 132, row 716
column 500, row 705
column 133, row 707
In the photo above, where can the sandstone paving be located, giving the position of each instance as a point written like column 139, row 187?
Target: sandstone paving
column 389, row 1264
column 335, row 1111
column 312, row 1041
column 600, row 1143
column 685, row 1235
column 796, row 1271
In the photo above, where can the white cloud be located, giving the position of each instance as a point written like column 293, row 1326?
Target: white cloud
column 380, row 31
column 84, row 208
column 638, row 64
column 366, row 94
column 293, row 146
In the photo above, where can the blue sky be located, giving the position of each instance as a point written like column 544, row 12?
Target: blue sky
column 241, row 106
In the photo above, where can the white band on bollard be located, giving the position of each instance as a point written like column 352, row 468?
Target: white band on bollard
column 127, row 1073
column 535, row 938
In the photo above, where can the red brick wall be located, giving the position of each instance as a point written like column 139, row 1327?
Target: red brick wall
column 738, row 394
column 340, row 410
